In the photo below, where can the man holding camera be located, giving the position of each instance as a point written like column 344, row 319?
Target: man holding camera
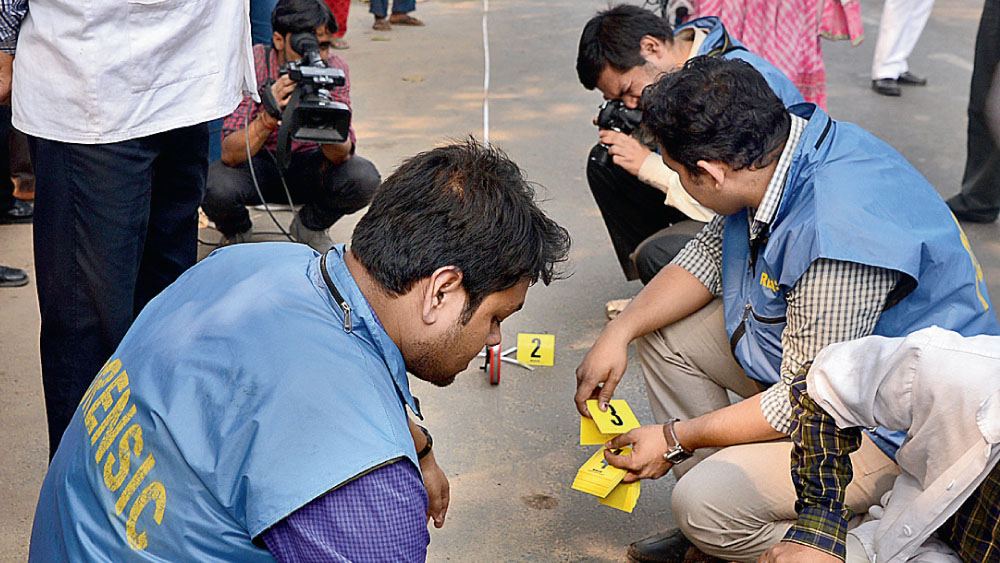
column 622, row 50
column 329, row 179
column 824, row 234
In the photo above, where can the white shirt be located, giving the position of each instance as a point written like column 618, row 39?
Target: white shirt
column 102, row 71
column 655, row 173
column 944, row 390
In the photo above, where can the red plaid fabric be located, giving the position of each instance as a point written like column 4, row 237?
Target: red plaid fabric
column 265, row 58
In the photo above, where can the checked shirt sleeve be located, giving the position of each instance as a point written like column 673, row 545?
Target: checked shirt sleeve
column 821, row 471
column 11, row 14
column 702, row 255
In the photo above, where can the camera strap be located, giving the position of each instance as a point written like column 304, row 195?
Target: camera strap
column 336, row 294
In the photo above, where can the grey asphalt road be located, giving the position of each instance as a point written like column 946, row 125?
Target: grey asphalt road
column 511, row 450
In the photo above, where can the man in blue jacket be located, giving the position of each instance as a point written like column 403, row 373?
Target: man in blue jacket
column 256, row 410
column 622, row 50
column 824, row 234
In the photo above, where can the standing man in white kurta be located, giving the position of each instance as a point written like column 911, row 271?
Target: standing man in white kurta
column 115, row 96
column 902, row 23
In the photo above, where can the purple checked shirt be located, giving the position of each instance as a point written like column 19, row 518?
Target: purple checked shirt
column 380, row 516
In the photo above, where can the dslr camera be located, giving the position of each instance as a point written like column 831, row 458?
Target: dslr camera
column 311, row 114
column 615, row 116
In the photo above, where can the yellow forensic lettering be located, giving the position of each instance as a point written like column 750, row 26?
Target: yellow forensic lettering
column 105, row 400
column 112, row 479
column 109, row 370
column 155, row 491
column 115, row 428
column 134, row 483
column 109, row 420
column 767, row 282
column 975, row 264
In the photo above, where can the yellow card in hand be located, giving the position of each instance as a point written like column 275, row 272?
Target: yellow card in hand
column 590, row 435
column 536, row 349
column 618, row 419
column 597, row 476
column 623, row 497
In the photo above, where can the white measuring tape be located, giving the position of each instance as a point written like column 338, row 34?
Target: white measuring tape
column 486, row 72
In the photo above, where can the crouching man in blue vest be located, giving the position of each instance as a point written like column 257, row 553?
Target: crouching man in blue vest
column 824, row 234
column 256, row 410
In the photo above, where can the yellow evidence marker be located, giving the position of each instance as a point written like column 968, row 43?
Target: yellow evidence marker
column 590, row 435
column 597, row 476
column 618, row 419
column 623, row 497
column 536, row 349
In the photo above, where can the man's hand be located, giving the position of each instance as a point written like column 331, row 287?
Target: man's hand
column 646, row 460
column 789, row 552
column 282, row 90
column 601, row 370
column 6, row 77
column 337, row 153
column 438, row 489
column 625, row 151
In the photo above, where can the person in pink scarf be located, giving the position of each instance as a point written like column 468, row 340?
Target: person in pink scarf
column 787, row 33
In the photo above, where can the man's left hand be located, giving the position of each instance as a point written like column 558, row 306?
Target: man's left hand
column 438, row 489
column 646, row 460
column 789, row 552
column 625, row 151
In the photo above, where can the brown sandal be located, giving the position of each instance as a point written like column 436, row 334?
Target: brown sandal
column 381, row 24
column 404, row 19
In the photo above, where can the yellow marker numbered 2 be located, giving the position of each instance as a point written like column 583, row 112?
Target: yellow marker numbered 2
column 536, row 349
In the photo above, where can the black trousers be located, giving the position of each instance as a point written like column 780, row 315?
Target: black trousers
column 634, row 212
column 980, row 195
column 329, row 191
column 6, row 185
column 114, row 225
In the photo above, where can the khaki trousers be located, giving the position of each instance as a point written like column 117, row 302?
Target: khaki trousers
column 736, row 502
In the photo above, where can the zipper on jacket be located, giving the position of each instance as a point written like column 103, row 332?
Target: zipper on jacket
column 741, row 329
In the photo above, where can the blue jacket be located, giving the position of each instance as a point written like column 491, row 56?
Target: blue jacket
column 849, row 196
column 236, row 398
column 719, row 43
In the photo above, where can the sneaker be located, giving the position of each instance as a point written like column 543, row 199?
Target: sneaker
column 318, row 240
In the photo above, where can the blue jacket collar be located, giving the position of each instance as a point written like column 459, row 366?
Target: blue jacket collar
column 364, row 322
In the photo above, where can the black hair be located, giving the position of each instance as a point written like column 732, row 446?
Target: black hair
column 464, row 205
column 716, row 109
column 612, row 37
column 295, row 16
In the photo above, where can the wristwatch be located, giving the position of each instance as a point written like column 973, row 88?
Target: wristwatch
column 676, row 454
column 430, row 442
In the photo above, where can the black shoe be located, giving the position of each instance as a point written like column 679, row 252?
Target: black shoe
column 956, row 205
column 667, row 547
column 12, row 277
column 910, row 79
column 21, row 212
column 886, row 87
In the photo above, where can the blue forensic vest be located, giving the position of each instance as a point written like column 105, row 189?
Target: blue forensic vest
column 849, row 196
column 720, row 43
column 235, row 398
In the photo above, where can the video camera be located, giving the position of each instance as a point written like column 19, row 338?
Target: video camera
column 311, row 114
column 614, row 115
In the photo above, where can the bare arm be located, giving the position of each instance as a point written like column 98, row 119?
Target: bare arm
column 234, row 148
column 670, row 296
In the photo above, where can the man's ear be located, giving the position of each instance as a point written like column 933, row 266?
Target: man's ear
column 278, row 41
column 715, row 170
column 650, row 45
column 442, row 293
